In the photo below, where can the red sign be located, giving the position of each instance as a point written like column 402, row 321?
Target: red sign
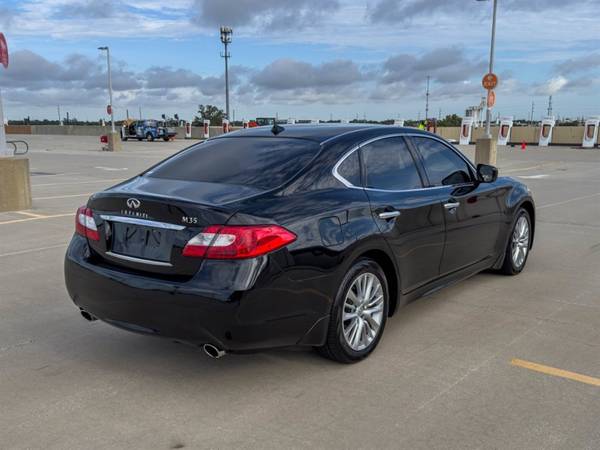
column 491, row 99
column 109, row 110
column 3, row 51
column 490, row 81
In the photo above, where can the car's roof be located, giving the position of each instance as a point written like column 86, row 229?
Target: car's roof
column 318, row 133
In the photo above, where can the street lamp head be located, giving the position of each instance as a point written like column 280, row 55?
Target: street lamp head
column 226, row 33
column 102, row 48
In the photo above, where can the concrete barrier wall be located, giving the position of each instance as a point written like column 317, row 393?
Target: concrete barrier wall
column 449, row 132
column 561, row 135
column 96, row 130
column 567, row 135
column 71, row 130
column 17, row 129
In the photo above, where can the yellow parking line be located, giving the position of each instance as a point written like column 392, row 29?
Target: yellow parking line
column 63, row 196
column 29, row 219
column 25, row 213
column 556, row 372
column 32, row 250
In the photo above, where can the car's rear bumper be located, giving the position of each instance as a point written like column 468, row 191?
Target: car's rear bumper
column 272, row 316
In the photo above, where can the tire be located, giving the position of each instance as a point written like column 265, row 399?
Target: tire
column 166, row 139
column 515, row 260
column 139, row 139
column 149, row 137
column 124, row 139
column 356, row 347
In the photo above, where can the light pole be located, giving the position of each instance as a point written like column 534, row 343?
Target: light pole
column 226, row 33
column 110, row 99
column 488, row 112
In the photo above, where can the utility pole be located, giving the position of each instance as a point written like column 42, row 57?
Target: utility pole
column 140, row 108
column 427, row 100
column 549, row 106
column 226, row 33
column 532, row 109
column 59, row 118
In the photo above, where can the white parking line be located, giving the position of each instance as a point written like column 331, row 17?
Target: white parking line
column 54, row 174
column 549, row 205
column 62, row 196
column 79, row 182
column 510, row 170
column 533, row 177
column 111, row 169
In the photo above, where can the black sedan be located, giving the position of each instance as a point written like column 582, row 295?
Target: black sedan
column 293, row 236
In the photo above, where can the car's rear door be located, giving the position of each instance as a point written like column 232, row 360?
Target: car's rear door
column 410, row 217
column 472, row 210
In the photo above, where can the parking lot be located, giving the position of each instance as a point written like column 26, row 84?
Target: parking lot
column 492, row 362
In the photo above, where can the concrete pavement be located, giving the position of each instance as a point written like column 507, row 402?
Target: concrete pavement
column 441, row 378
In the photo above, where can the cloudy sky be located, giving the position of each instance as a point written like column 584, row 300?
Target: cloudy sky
column 299, row 58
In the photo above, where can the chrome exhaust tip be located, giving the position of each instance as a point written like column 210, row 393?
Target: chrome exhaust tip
column 87, row 316
column 213, row 352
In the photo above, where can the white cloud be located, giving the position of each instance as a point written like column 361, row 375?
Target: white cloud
column 351, row 58
column 551, row 86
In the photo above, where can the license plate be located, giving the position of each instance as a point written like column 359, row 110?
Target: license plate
column 142, row 242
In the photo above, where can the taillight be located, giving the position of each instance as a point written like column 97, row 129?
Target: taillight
column 85, row 224
column 238, row 241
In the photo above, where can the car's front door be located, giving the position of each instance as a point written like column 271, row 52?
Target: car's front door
column 410, row 217
column 472, row 210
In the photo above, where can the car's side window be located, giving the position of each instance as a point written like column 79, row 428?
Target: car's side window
column 349, row 169
column 442, row 164
column 389, row 165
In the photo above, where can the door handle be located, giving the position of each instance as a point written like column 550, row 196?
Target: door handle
column 389, row 214
column 451, row 205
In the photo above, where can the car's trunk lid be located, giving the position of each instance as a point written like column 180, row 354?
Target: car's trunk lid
column 145, row 223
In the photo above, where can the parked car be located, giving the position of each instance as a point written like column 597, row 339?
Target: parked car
column 146, row 129
column 293, row 236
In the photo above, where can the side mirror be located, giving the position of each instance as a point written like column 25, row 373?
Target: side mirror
column 487, row 173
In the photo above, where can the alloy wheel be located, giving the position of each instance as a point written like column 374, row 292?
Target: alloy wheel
column 520, row 242
column 363, row 311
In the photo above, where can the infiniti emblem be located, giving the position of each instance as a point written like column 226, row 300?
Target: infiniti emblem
column 133, row 203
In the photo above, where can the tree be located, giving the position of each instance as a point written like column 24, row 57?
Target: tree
column 451, row 120
column 209, row 112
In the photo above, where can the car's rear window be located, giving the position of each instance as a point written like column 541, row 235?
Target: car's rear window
column 262, row 163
